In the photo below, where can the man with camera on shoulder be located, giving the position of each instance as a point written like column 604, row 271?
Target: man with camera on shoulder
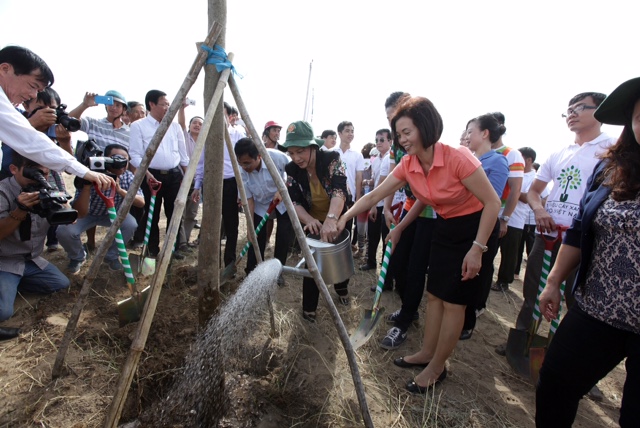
column 22, row 236
column 92, row 211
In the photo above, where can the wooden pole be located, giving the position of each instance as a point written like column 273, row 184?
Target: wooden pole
column 190, row 79
column 139, row 341
column 311, row 264
column 209, row 297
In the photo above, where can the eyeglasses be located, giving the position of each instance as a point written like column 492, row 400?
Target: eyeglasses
column 577, row 110
column 381, row 140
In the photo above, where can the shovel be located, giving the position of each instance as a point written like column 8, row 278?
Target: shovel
column 230, row 270
column 372, row 317
column 521, row 342
column 143, row 263
column 129, row 310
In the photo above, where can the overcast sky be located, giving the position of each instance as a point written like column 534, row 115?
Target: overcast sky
column 524, row 59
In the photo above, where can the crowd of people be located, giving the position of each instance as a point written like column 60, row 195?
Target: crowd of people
column 452, row 207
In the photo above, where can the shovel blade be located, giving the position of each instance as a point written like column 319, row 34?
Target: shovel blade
column 135, row 262
column 366, row 328
column 130, row 309
column 517, row 352
column 227, row 273
column 148, row 266
column 536, row 357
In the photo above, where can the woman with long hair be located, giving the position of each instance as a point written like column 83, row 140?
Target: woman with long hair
column 451, row 180
column 603, row 327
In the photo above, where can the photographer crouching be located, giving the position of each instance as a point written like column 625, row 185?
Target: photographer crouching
column 92, row 210
column 27, row 205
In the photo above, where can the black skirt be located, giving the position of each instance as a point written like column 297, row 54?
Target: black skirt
column 452, row 240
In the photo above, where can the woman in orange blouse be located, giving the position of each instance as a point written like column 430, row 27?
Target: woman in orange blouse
column 452, row 181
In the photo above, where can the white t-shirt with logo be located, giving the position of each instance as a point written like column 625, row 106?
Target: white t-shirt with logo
column 569, row 169
column 523, row 214
column 353, row 161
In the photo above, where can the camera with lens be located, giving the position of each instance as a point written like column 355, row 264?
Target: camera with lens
column 70, row 123
column 89, row 154
column 52, row 202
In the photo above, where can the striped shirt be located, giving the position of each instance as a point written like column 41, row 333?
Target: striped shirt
column 97, row 207
column 516, row 168
column 103, row 132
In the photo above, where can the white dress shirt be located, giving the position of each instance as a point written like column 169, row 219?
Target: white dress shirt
column 17, row 133
column 171, row 152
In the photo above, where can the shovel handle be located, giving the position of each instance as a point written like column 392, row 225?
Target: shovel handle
column 152, row 207
column 382, row 276
column 108, row 200
column 124, row 257
column 549, row 243
column 246, row 247
column 154, row 186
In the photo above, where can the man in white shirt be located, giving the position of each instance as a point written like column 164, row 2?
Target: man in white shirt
column 167, row 166
column 569, row 168
column 22, row 75
column 354, row 165
column 376, row 226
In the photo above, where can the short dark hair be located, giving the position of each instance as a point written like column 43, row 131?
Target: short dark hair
column 425, row 117
column 111, row 147
column 194, row 118
column 132, row 104
column 19, row 161
column 46, row 97
column 24, row 61
column 598, row 98
column 152, row 97
column 327, row 132
column 343, row 125
column 489, row 122
column 528, row 152
column 392, row 99
column 245, row 146
column 384, row 131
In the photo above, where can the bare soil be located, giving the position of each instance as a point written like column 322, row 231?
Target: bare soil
column 299, row 378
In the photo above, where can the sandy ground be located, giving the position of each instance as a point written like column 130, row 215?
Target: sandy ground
column 302, row 378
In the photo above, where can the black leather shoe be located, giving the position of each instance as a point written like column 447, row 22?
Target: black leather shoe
column 466, row 334
column 7, row 333
column 414, row 388
column 367, row 266
column 400, row 362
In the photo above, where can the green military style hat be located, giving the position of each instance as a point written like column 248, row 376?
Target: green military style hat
column 300, row 134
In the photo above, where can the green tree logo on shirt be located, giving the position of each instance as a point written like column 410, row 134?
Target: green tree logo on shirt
column 569, row 179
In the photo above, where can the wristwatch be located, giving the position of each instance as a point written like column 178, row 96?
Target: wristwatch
column 504, row 218
column 332, row 216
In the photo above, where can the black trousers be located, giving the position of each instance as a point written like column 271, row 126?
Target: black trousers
column 582, row 352
column 166, row 196
column 310, row 292
column 416, row 270
column 397, row 270
column 284, row 238
column 230, row 221
column 509, row 254
column 526, row 242
column 375, row 230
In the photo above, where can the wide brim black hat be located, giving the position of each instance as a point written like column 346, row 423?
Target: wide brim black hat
column 617, row 107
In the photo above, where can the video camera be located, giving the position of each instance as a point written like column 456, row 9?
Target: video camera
column 52, row 201
column 89, row 154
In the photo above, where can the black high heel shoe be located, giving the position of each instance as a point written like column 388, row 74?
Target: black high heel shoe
column 414, row 388
column 400, row 362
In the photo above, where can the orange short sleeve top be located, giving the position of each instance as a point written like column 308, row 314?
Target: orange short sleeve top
column 442, row 188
